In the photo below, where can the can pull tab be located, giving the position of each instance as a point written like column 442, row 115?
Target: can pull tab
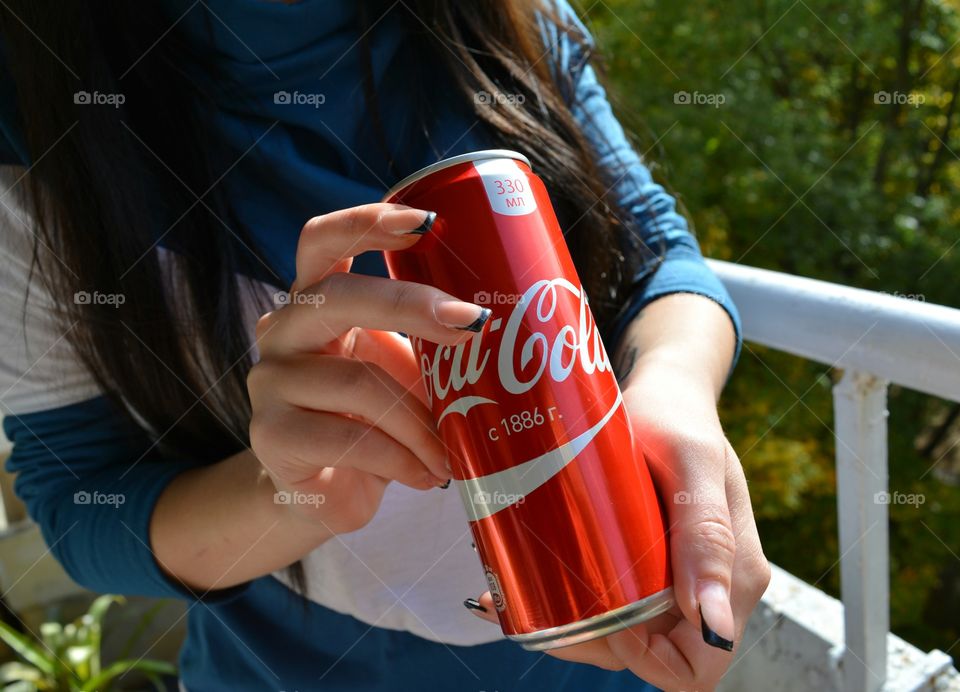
column 507, row 187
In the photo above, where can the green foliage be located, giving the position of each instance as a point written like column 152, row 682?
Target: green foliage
column 834, row 155
column 66, row 658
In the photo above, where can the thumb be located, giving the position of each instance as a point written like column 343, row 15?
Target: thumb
column 703, row 547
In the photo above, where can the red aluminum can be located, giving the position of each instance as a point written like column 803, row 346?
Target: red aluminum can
column 563, row 511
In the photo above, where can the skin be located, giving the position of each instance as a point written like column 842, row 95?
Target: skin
column 220, row 525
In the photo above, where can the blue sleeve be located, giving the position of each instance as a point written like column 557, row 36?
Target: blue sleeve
column 90, row 478
column 654, row 220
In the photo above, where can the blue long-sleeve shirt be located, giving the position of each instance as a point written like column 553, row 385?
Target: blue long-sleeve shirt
column 75, row 456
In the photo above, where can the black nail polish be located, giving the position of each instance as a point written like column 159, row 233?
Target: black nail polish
column 711, row 637
column 445, row 485
column 474, row 604
column 426, row 225
column 478, row 323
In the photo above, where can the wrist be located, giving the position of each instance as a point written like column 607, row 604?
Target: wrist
column 284, row 507
column 664, row 369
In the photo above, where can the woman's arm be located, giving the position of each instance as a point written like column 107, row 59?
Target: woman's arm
column 681, row 331
column 224, row 524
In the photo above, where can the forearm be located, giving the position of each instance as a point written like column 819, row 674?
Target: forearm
column 683, row 333
column 219, row 526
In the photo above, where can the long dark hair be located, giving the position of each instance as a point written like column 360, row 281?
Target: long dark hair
column 175, row 352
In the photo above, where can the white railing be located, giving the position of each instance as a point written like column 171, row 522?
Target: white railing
column 876, row 339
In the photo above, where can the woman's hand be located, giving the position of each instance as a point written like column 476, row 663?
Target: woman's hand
column 719, row 568
column 338, row 407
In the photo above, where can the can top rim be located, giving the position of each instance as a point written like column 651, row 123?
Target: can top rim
column 453, row 161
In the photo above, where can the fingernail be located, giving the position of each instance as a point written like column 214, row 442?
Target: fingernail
column 447, row 464
column 426, row 225
column 445, row 485
column 474, row 604
column 714, row 604
column 455, row 314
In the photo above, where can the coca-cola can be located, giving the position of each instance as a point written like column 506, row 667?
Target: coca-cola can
column 564, row 514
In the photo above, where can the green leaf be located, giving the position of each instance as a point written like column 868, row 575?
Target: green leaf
column 98, row 609
column 51, row 633
column 14, row 671
column 145, row 621
column 118, row 668
column 22, row 686
column 27, row 649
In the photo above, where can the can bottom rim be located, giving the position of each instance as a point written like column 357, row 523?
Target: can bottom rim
column 598, row 625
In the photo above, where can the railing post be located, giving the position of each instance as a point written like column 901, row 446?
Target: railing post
column 860, row 414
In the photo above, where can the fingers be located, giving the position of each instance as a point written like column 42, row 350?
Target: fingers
column 691, row 474
column 393, row 353
column 751, row 570
column 328, row 241
column 663, row 660
column 342, row 301
column 298, row 444
column 320, row 382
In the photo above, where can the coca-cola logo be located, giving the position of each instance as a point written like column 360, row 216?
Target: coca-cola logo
column 532, row 345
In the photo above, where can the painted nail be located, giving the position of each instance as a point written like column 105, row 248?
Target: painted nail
column 445, row 485
column 436, row 481
column 426, row 225
column 455, row 314
column 474, row 604
column 711, row 637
